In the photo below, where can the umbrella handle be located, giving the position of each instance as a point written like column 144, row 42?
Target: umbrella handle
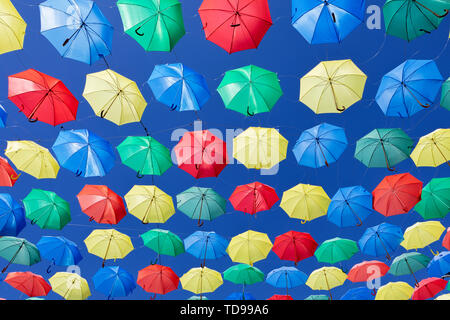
column 235, row 25
column 388, row 256
column 373, row 292
column 391, row 169
column 200, row 224
column 341, row 109
column 434, row 253
column 197, row 166
column 78, row 173
column 139, row 175
column 102, row 114
column 32, row 120
column 153, row 298
column 49, row 269
column 138, row 33
column 15, row 178
column 33, row 222
column 250, row 114
column 173, row 107
column 426, row 31
column 91, row 219
column 66, row 41
column 303, row 221
column 334, row 17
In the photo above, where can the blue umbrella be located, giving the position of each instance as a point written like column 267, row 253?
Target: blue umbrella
column 360, row 293
column 114, row 282
column 12, row 216
column 206, row 245
column 409, row 88
column 179, row 87
column 327, row 21
column 3, row 117
column 286, row 277
column 440, row 265
column 320, row 146
column 59, row 250
column 84, row 153
column 350, row 206
column 381, row 239
column 240, row 296
column 77, row 29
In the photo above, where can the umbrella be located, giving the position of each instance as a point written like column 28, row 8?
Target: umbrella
column 409, row 88
column 435, row 199
column 240, row 296
column 336, row 250
column 243, row 274
column 70, row 286
column 253, row 198
column 305, row 202
column 206, row 245
column 384, row 148
column 145, row 155
column 12, row 28
column 47, row 209
column 179, row 87
column 201, row 154
column 422, row 234
column 3, row 117
column 84, row 153
column 439, row 266
column 433, row 149
column 77, row 29
column 18, row 251
column 408, row 263
column 201, row 280
column 249, row 247
column 114, row 282
column 397, row 194
column 320, row 297
column 362, row 272
column 446, row 240
column 428, row 288
column 149, row 204
column 108, row 244
column 350, row 206
column 326, row 278
column 327, row 21
column 157, row 279
column 332, row 86
column 280, row 297
column 250, row 90
column 286, row 277
column 12, row 216
column 101, row 204
column 445, row 96
column 32, row 158
column 59, row 250
column 259, row 148
column 360, row 293
column 33, row 285
column 381, row 239
column 319, row 146
column 163, row 242
column 8, row 176
column 235, row 26
column 443, row 297
column 294, row 246
column 395, row 291
column 156, row 25
column 198, row 298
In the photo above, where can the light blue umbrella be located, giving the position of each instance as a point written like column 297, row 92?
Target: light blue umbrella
column 360, row 293
column 286, row 277
column 3, row 117
column 60, row 250
column 381, row 239
column 206, row 245
column 439, row 265
column 114, row 282
column 12, row 216
column 240, row 296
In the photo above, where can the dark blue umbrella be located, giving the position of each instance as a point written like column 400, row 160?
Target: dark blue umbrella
column 381, row 239
column 206, row 245
column 3, row 117
column 360, row 293
column 114, row 282
column 59, row 250
column 12, row 216
column 440, row 265
column 286, row 277
column 240, row 296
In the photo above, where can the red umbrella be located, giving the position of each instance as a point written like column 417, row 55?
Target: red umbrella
column 8, row 175
column 280, row 297
column 201, row 154
column 101, row 204
column 428, row 288
column 41, row 97
column 294, row 246
column 253, row 197
column 235, row 25
column 158, row 279
column 33, row 285
column 397, row 194
column 367, row 270
column 446, row 240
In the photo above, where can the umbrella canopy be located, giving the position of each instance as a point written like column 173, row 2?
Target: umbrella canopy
column 8, row 176
column 409, row 263
column 320, row 297
column 156, row 25
column 201, row 280
column 439, row 266
column 319, row 146
column 253, row 198
column 381, row 239
column 280, row 297
column 59, row 250
column 206, row 245
column 286, row 277
column 70, row 286
column 198, row 298
column 77, row 29
column 249, row 247
column 445, row 96
column 179, row 87
column 327, row 21
column 235, row 25
column 18, row 251
column 114, row 282
column 12, row 28
column 361, row 272
column 446, row 240
column 409, row 88
column 240, row 296
column 433, row 149
column 250, row 90
column 326, row 278
column 163, row 242
column 12, row 216
column 33, row 285
column 443, row 297
column 243, row 274
column 332, row 86
column 360, row 293
column 395, row 291
column 158, row 279
column 336, row 250
column 294, row 246
column 422, row 234
column 32, row 158
column 428, row 288
column 435, row 199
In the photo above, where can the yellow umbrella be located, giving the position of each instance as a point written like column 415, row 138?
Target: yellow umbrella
column 12, row 28
column 395, row 291
column 260, row 148
column 32, row 158
column 433, row 149
column 443, row 297
column 149, row 204
column 201, row 280
column 249, row 247
column 108, row 244
column 332, row 86
column 114, row 97
column 422, row 234
column 305, row 202
column 70, row 286
column 326, row 278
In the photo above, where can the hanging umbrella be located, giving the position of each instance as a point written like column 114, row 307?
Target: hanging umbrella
column 8, row 176
column 439, row 266
column 320, row 297
column 350, row 206
column 336, row 250
column 84, row 153
column 409, row 88
column 381, row 239
column 395, row 291
column 201, row 154
column 249, row 247
column 114, row 282
column 332, row 86
column 409, row 263
column 206, row 245
column 158, row 279
column 250, row 90
column 47, row 209
column 12, row 28
column 201, row 280
column 445, row 96
column 433, row 149
column 32, row 158
column 435, row 199
column 163, row 242
column 446, row 240
column 305, row 202
column 198, row 298
column 149, row 204
column 443, row 297
column 326, row 278
column 108, row 244
column 361, row 272
column 428, row 288
column 253, row 198
column 243, row 274
column 319, row 146
column 59, row 250
column 327, row 21
column 286, row 277
column 179, row 87
column 12, row 216
column 397, row 194
column 259, row 148
column 156, row 25
column 422, row 234
column 294, row 246
column 280, row 297
column 18, row 251
column 70, row 286
column 33, row 285
column 384, row 148
column 101, row 204
column 360, row 293
column 77, row 29
column 240, row 296
column 201, row 204
column 3, row 117
column 233, row 25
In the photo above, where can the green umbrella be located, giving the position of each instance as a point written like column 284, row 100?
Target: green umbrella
column 35, row 298
column 250, row 90
column 46, row 209
column 201, row 203
column 317, row 297
column 445, row 96
column 145, row 155
column 435, row 202
column 163, row 242
column 198, row 298
column 409, row 19
column 243, row 274
column 408, row 263
column 18, row 251
column 384, row 148
column 336, row 250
